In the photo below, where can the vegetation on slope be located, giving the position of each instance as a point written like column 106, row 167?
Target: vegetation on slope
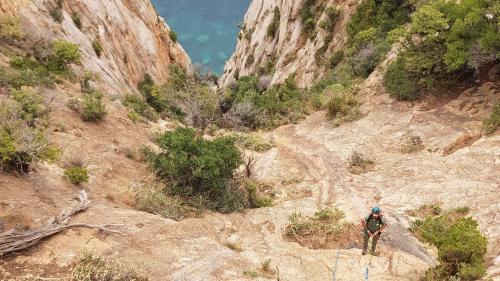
column 461, row 246
column 445, row 43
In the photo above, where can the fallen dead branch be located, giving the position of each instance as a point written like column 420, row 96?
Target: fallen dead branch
column 14, row 241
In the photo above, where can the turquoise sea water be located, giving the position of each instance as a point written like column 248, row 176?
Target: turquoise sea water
column 207, row 29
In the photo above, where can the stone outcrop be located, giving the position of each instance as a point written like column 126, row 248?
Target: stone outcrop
column 135, row 40
column 291, row 50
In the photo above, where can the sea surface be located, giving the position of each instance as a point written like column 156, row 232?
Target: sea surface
column 207, row 29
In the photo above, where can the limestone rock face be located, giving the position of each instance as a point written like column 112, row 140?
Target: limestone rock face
column 135, row 40
column 291, row 50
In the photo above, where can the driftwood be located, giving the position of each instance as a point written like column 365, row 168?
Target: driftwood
column 14, row 241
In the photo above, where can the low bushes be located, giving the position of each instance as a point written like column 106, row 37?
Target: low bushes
column 273, row 27
column 97, row 46
column 77, row 20
column 155, row 200
column 140, row 107
column 173, row 36
column 342, row 107
column 93, row 268
column 323, row 230
column 32, row 107
column 492, row 123
column 76, row 174
column 10, row 28
column 21, row 144
column 359, row 163
column 450, row 41
column 199, row 169
column 91, row 108
column 461, row 246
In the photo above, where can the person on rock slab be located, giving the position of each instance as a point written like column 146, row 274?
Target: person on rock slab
column 373, row 225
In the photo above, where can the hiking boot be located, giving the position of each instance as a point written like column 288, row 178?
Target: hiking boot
column 364, row 252
column 374, row 253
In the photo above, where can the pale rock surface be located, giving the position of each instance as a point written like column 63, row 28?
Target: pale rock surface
column 134, row 38
column 290, row 50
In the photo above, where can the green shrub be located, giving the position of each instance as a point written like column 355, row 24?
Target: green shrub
column 93, row 109
column 250, row 60
column 76, row 174
column 255, row 199
column 197, row 167
column 97, row 46
column 492, row 123
column 56, row 15
column 28, row 72
column 461, row 247
column 156, row 201
column 173, row 36
column 453, row 42
column 343, row 107
column 141, row 107
column 93, row 268
column 273, row 27
column 399, row 83
column 31, row 104
column 307, row 16
column 21, row 144
column 77, row 20
column 336, row 59
column 254, row 141
column 332, row 15
column 62, row 54
column 10, row 28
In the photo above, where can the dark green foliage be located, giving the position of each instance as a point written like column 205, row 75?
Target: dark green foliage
column 383, row 15
column 308, row 20
column 77, row 20
column 96, row 45
column 332, row 15
column 76, row 174
column 250, row 60
column 92, row 108
column 56, row 14
column 173, row 36
column 275, row 23
column 141, row 107
column 461, row 247
column 196, row 167
column 455, row 39
column 399, row 82
column 492, row 123
column 336, row 58
column 275, row 106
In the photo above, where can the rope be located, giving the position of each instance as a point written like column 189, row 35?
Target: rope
column 335, row 268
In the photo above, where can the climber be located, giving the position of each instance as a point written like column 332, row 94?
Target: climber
column 373, row 225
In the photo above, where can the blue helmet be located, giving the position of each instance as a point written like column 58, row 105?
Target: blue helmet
column 376, row 210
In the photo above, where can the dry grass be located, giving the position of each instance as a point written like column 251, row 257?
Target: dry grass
column 464, row 141
column 265, row 271
column 325, row 230
column 436, row 209
column 359, row 163
column 93, row 268
column 411, row 143
column 234, row 246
